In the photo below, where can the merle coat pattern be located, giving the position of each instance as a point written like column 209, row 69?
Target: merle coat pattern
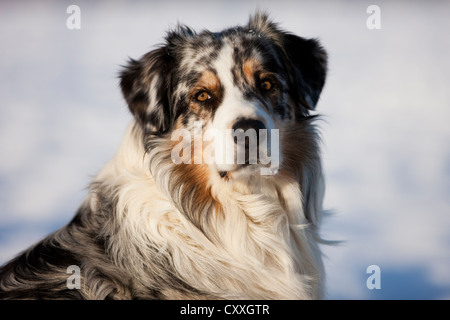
column 153, row 229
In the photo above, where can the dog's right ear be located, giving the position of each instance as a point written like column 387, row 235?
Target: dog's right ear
column 145, row 85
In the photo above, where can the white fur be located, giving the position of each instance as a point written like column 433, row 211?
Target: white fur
column 234, row 106
column 263, row 246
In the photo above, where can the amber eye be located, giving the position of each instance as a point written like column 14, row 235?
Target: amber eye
column 203, row 96
column 266, row 85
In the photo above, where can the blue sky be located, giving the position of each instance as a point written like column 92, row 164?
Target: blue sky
column 385, row 107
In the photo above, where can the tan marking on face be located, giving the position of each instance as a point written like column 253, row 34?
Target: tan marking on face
column 250, row 67
column 209, row 80
column 210, row 83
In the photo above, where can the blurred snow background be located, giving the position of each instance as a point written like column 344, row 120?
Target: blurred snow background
column 386, row 132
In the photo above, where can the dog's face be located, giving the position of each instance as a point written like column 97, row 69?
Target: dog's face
column 255, row 77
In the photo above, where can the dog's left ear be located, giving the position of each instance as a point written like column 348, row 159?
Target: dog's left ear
column 309, row 60
column 305, row 60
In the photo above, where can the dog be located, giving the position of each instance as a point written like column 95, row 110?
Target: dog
column 165, row 224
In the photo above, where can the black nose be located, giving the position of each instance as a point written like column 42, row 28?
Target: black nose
column 251, row 156
column 246, row 124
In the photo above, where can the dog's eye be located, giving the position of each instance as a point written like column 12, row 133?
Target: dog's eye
column 202, row 96
column 266, row 85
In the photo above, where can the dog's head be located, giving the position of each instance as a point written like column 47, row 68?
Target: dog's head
column 256, row 78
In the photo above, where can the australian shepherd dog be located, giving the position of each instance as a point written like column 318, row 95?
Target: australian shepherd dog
column 163, row 221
